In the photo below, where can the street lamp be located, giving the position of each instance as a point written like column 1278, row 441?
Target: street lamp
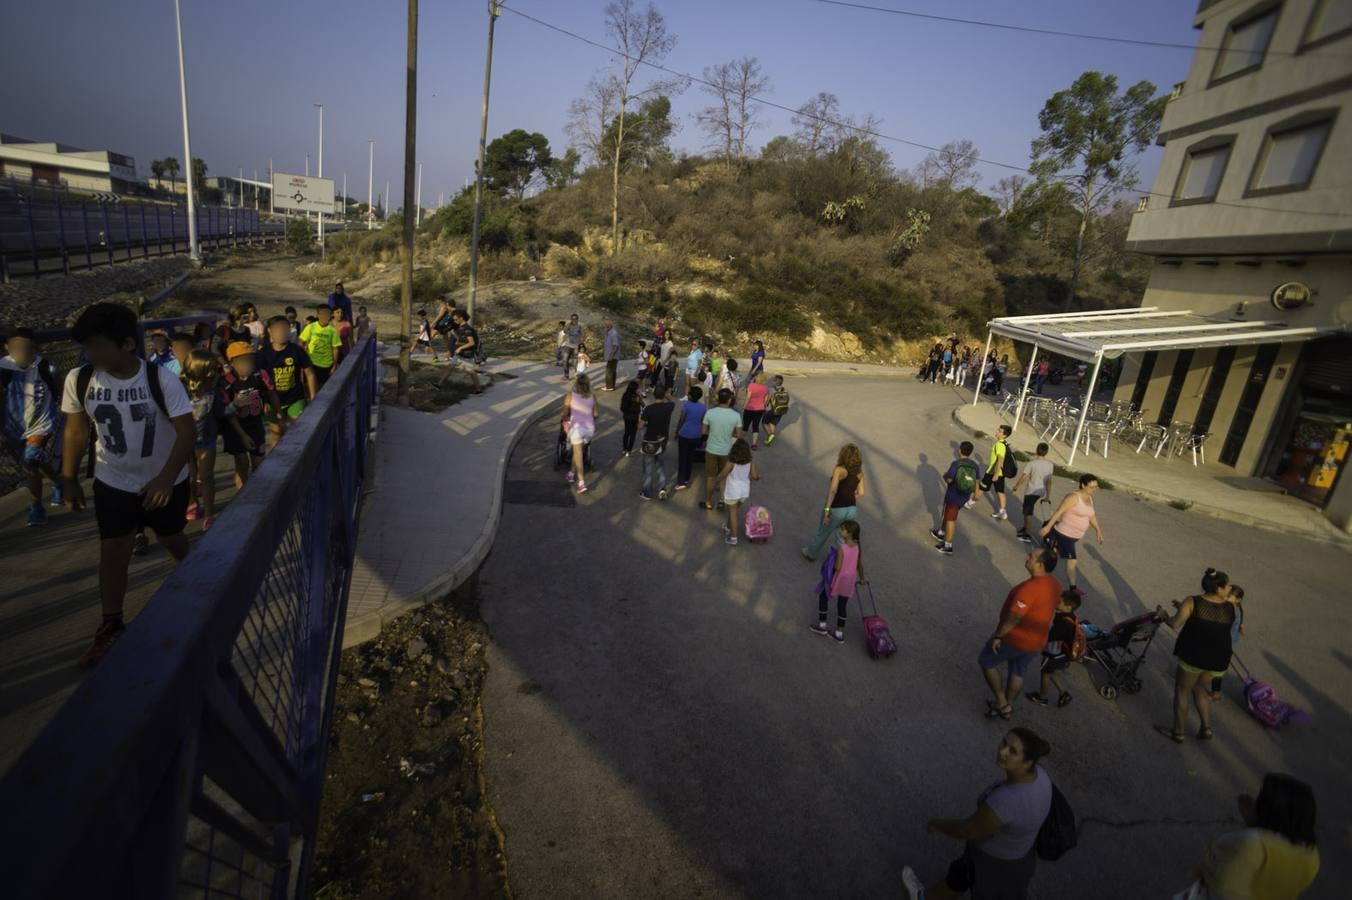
column 194, row 252
column 320, row 107
column 370, row 183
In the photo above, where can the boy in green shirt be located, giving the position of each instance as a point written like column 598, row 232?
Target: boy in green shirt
column 322, row 342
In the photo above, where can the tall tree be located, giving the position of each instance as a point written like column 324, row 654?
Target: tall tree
column 157, row 169
column 515, row 160
column 816, row 122
column 562, row 170
column 640, row 36
column 199, row 172
column 952, row 166
column 730, row 119
column 590, row 115
column 647, row 130
column 1087, row 133
column 1007, row 191
column 172, row 168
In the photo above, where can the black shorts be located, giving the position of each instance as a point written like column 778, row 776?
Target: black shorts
column 751, row 420
column 989, row 482
column 253, row 427
column 1030, row 504
column 770, row 418
column 1054, row 662
column 1064, row 546
column 119, row 513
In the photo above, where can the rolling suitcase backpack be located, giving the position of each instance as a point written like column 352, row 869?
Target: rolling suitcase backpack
column 877, row 636
column 759, row 527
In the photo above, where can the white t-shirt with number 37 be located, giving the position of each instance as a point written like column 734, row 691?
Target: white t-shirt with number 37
column 134, row 437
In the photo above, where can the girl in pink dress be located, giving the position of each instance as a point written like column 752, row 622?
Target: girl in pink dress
column 848, row 571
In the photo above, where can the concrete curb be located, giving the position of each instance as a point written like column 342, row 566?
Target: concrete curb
column 362, row 629
column 1214, row 512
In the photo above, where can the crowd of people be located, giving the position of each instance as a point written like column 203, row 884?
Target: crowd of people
column 157, row 415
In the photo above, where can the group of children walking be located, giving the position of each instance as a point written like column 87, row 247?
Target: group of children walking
column 155, row 421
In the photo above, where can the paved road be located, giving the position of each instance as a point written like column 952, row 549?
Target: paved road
column 660, row 722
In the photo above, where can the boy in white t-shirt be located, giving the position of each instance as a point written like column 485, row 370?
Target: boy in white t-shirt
column 1036, row 479
column 145, row 436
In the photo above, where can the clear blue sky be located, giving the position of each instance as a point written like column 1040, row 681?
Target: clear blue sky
column 104, row 76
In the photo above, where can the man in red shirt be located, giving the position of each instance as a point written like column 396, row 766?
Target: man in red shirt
column 1025, row 620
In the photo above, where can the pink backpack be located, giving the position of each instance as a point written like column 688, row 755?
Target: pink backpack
column 877, row 636
column 759, row 527
column 1261, row 699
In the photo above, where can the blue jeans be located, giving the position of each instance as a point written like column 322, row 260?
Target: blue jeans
column 654, row 474
column 826, row 532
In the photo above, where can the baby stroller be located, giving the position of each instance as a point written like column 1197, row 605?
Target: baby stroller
column 1121, row 651
column 563, row 452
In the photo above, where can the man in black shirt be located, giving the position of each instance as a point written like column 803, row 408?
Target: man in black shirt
column 290, row 370
column 656, row 422
column 467, row 343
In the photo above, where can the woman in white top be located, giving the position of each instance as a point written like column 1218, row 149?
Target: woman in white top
column 580, row 412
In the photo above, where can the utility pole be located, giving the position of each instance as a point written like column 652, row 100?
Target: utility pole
column 410, row 162
column 194, row 252
column 321, row 175
column 241, row 187
column 370, row 183
column 493, row 13
column 271, row 209
column 385, row 201
column 344, row 196
column 419, row 193
column 307, row 165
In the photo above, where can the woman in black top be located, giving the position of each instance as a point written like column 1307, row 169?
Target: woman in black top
column 842, row 498
column 1203, row 649
column 631, row 407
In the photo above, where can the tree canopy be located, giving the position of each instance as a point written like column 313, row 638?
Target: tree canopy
column 516, row 160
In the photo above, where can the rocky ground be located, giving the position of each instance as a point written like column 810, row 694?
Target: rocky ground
column 404, row 811
column 56, row 300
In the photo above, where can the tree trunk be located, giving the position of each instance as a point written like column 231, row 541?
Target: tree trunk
column 615, row 183
column 406, row 242
column 1079, row 244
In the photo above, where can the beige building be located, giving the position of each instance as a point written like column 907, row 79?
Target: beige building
column 63, row 165
column 1250, row 220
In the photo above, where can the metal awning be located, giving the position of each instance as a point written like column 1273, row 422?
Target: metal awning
column 1096, row 336
column 1086, row 335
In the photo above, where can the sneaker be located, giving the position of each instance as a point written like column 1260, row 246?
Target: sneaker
column 730, row 541
column 682, row 487
column 970, row 504
column 662, row 494
column 839, row 636
column 945, row 549
column 104, row 639
column 1037, row 698
column 37, row 515
column 57, row 497
column 936, row 534
column 643, row 496
column 1025, row 537
column 192, row 512
column 208, row 522
column 911, row 882
column 571, row 476
column 1002, row 514
column 721, row 505
column 582, row 487
column 140, row 546
column 820, row 628
column 770, row 440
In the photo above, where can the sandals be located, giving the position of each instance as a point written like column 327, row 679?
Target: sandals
column 1175, row 736
column 999, row 712
column 1205, row 734
column 703, row 505
column 1064, row 699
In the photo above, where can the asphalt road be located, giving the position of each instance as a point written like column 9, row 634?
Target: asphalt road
column 660, row 721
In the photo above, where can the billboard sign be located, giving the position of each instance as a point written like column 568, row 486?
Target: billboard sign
column 302, row 193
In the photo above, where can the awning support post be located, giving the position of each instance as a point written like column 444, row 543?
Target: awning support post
column 1027, row 377
column 1084, row 411
column 981, row 370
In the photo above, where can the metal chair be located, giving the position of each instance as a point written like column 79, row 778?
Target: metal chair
column 1100, row 431
column 1176, row 440
column 1008, row 404
column 1197, row 444
column 1156, row 435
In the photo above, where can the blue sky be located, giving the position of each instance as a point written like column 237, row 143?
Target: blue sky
column 104, row 76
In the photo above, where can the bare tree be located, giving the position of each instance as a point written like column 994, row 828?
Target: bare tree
column 1008, row 190
column 641, row 38
column 817, row 121
column 590, row 115
column 952, row 166
column 731, row 118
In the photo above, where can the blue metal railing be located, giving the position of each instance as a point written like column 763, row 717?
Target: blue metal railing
column 190, row 762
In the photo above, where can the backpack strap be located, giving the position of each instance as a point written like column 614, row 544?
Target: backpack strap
column 86, row 374
column 156, row 389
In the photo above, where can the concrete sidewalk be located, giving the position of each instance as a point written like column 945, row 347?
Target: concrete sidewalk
column 1210, row 489
column 437, row 493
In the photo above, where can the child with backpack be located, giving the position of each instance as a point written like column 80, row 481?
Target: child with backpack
column 1065, row 643
column 961, row 481
column 846, row 572
column 146, row 436
column 29, row 418
column 735, row 479
column 776, row 409
column 999, row 466
column 201, row 376
column 243, row 391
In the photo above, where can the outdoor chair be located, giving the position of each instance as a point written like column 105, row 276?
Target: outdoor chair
column 1176, row 440
column 1097, row 431
column 1059, row 425
column 1008, row 404
column 1197, row 444
column 1155, row 435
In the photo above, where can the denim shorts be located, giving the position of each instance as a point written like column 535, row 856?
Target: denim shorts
column 1016, row 660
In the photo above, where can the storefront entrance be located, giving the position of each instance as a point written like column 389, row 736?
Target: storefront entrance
column 1314, row 448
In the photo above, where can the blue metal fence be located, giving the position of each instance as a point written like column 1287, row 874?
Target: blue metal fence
column 190, row 762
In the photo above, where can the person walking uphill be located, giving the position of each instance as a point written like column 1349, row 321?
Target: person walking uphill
column 842, row 498
column 1025, row 621
column 1203, row 649
column 580, row 412
column 998, row 858
column 1071, row 520
column 610, row 349
column 998, row 466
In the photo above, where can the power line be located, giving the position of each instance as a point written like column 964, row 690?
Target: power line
column 850, row 126
column 1027, row 29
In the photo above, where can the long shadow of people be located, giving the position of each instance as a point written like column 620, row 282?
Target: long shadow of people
column 931, row 482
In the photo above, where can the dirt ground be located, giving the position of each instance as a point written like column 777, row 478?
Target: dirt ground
column 404, row 813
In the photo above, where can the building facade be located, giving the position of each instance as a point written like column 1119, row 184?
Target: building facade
column 63, row 165
column 1250, row 219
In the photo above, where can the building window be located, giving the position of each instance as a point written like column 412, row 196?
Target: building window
column 1245, row 45
column 1331, row 20
column 1203, row 167
column 1290, row 155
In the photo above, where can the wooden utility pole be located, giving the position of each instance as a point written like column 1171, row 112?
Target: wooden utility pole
column 493, row 14
column 410, row 164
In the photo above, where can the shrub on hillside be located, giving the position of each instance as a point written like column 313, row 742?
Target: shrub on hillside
column 637, row 266
column 298, row 237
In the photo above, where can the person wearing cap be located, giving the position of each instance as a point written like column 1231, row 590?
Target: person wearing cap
column 244, row 389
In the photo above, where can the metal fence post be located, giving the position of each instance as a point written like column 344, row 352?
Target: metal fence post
column 84, row 227
column 145, row 240
column 159, row 233
column 173, row 231
column 107, row 233
column 33, row 240
column 61, row 232
column 126, row 230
